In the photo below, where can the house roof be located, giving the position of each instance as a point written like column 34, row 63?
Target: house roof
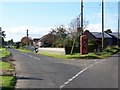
column 88, row 33
column 99, row 35
column 115, row 34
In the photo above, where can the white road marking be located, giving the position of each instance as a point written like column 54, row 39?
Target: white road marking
column 25, row 54
column 36, row 58
column 30, row 56
column 95, row 60
column 71, row 79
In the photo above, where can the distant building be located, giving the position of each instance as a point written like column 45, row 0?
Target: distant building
column 25, row 41
column 47, row 40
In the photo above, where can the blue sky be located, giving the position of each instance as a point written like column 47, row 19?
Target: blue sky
column 39, row 14
column 40, row 17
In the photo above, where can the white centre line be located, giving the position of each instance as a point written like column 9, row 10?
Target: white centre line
column 30, row 56
column 25, row 54
column 36, row 58
column 71, row 79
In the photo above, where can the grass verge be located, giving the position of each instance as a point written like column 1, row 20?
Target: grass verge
column 24, row 50
column 100, row 55
column 5, row 65
column 73, row 56
column 3, row 52
column 91, row 55
column 7, row 81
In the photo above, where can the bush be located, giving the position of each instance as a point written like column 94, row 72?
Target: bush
column 111, row 50
column 90, row 48
column 75, row 50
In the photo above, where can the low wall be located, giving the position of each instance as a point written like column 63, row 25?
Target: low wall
column 53, row 50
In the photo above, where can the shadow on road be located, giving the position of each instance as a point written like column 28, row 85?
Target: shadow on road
column 27, row 78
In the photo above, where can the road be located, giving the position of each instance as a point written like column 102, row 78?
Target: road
column 37, row 71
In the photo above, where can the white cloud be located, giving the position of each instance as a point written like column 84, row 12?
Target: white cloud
column 16, row 33
column 94, row 27
column 98, row 28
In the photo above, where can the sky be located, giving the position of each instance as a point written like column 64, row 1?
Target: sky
column 40, row 17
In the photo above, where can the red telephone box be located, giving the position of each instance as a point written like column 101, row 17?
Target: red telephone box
column 83, row 44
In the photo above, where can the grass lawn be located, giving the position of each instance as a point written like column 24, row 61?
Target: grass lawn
column 6, row 82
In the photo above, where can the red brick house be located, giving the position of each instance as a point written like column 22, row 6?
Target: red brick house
column 25, row 41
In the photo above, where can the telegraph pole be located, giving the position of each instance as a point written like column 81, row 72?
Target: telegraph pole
column 27, row 38
column 118, row 23
column 118, row 33
column 81, row 16
column 102, row 25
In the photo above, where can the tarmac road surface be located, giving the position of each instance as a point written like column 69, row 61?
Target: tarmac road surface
column 37, row 71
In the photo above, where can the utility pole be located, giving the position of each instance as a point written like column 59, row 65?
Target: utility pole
column 118, row 23
column 27, row 38
column 102, row 25
column 118, row 33
column 81, row 17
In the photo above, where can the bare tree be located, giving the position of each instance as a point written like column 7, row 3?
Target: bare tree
column 75, row 31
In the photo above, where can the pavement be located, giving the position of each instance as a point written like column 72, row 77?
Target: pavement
column 37, row 71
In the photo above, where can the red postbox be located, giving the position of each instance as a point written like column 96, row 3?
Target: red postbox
column 83, row 44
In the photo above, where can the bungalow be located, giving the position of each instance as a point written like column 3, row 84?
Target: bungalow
column 115, row 38
column 107, row 38
column 98, row 36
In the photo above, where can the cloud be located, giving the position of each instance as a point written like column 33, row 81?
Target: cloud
column 16, row 33
column 97, row 28
column 94, row 27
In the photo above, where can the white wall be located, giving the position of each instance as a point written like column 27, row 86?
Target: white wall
column 53, row 50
